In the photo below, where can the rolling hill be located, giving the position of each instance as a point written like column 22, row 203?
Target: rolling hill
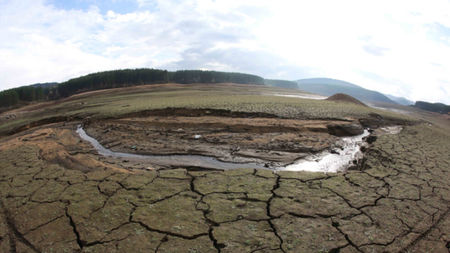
column 433, row 107
column 328, row 87
column 400, row 100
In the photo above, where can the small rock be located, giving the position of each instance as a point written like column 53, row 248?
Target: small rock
column 353, row 167
column 333, row 151
column 235, row 148
column 371, row 139
column 345, row 129
column 373, row 121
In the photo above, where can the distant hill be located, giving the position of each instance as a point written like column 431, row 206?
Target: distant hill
column 400, row 100
column 281, row 83
column 328, row 87
column 433, row 107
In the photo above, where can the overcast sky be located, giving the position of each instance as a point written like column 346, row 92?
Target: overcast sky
column 396, row 47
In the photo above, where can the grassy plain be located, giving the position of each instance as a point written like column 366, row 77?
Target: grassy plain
column 241, row 98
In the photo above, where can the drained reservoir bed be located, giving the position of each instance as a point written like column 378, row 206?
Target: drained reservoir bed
column 170, row 160
column 337, row 160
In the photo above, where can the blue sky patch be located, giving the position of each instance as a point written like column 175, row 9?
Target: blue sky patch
column 118, row 6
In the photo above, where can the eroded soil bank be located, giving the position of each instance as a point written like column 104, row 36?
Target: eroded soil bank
column 244, row 138
column 347, row 153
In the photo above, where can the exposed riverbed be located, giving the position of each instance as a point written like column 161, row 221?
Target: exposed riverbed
column 169, row 160
column 337, row 160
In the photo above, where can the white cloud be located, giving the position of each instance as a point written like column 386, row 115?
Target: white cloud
column 399, row 47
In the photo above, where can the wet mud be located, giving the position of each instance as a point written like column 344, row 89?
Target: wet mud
column 237, row 138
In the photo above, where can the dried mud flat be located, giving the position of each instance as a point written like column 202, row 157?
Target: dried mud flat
column 399, row 201
column 58, row 195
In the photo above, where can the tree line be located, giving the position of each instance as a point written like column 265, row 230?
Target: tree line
column 281, row 83
column 433, row 107
column 120, row 78
column 22, row 94
column 199, row 76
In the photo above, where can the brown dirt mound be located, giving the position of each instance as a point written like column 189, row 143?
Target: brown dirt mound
column 341, row 97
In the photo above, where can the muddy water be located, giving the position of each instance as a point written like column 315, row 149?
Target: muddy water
column 196, row 161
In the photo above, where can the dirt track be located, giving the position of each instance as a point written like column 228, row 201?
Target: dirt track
column 398, row 202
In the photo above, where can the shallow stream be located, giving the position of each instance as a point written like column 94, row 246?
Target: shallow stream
column 337, row 160
column 170, row 160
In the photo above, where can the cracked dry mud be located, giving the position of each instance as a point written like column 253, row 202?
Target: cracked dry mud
column 397, row 202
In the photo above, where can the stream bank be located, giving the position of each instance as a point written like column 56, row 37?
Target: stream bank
column 346, row 153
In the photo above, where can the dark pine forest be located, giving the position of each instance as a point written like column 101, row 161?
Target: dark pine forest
column 116, row 79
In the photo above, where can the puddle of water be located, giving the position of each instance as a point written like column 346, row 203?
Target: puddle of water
column 390, row 109
column 170, row 160
column 307, row 96
column 329, row 162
